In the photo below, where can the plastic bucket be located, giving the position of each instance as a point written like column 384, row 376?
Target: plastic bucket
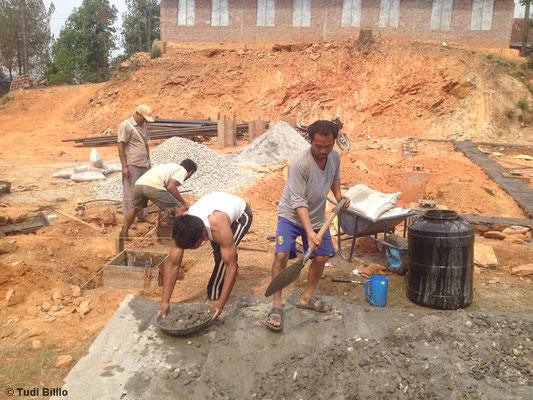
column 376, row 290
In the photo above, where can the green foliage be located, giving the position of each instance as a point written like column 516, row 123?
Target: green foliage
column 140, row 26
column 5, row 99
column 156, row 52
column 82, row 52
column 517, row 74
column 38, row 34
column 523, row 65
column 490, row 56
column 502, row 62
column 523, row 103
column 529, row 61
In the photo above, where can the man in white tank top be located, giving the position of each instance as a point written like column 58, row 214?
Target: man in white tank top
column 223, row 219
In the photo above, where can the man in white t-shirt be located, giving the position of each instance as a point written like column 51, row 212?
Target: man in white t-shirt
column 160, row 186
column 222, row 218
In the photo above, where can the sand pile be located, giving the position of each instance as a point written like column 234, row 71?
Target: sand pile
column 280, row 143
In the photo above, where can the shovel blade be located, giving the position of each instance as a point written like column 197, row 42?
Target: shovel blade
column 285, row 277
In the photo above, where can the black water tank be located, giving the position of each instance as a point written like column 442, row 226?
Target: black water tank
column 441, row 261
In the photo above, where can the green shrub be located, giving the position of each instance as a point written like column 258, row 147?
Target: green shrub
column 523, row 65
column 490, row 56
column 6, row 98
column 156, row 52
column 523, row 103
column 529, row 61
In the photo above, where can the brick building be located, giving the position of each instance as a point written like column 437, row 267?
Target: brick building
column 517, row 32
column 483, row 22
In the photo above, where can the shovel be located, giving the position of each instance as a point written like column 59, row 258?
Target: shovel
column 344, row 280
column 291, row 273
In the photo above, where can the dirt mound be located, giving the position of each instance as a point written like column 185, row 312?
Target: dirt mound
column 392, row 88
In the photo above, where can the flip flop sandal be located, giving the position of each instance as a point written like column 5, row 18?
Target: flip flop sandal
column 271, row 316
column 310, row 305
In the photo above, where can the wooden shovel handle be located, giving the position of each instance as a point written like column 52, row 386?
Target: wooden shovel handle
column 328, row 222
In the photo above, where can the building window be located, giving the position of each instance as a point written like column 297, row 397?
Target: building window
column 219, row 13
column 185, row 12
column 482, row 15
column 441, row 15
column 301, row 13
column 389, row 13
column 266, row 12
column 351, row 13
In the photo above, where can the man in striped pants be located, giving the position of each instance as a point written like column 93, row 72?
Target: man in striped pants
column 222, row 218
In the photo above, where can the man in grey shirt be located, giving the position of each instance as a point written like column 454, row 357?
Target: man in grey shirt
column 312, row 174
column 134, row 154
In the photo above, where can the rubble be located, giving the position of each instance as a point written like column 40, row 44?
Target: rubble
column 495, row 235
column 64, row 361
column 523, row 270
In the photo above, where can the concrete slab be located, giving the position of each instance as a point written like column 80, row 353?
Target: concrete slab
column 132, row 359
column 347, row 352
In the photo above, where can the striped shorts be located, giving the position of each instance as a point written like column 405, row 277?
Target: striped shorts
column 239, row 228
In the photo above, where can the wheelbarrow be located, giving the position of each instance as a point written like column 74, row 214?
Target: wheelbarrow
column 393, row 247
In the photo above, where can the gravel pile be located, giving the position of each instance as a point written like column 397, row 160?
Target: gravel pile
column 215, row 172
column 453, row 355
column 280, row 143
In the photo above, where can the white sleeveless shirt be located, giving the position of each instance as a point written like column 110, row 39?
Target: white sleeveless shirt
column 232, row 205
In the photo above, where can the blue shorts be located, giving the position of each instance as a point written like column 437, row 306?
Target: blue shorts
column 287, row 232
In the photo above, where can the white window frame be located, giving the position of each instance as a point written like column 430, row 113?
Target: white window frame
column 482, row 12
column 389, row 13
column 301, row 13
column 219, row 12
column 186, row 9
column 441, row 15
column 266, row 12
column 351, row 13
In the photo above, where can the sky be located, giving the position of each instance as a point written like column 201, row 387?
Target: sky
column 518, row 9
column 65, row 7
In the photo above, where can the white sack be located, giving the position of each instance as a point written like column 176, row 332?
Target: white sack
column 372, row 202
column 95, row 159
column 87, row 168
column 64, row 173
column 110, row 168
column 87, row 176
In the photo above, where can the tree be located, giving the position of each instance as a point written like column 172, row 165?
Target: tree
column 83, row 49
column 26, row 36
column 525, row 28
column 140, row 26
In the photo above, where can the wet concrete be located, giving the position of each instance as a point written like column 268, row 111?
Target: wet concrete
column 332, row 355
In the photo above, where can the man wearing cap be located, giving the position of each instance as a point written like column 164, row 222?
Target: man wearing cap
column 134, row 154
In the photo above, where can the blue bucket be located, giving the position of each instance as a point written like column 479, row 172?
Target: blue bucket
column 376, row 290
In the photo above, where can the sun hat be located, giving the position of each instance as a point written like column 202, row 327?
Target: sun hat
column 146, row 112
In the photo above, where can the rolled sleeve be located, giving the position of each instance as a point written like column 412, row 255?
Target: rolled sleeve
column 123, row 133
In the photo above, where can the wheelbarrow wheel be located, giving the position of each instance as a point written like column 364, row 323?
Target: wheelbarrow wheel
column 396, row 260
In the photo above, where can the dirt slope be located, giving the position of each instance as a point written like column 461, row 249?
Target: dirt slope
column 384, row 88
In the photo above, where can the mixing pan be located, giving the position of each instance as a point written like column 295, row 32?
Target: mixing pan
column 185, row 319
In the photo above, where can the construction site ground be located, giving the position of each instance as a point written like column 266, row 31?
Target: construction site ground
column 384, row 92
